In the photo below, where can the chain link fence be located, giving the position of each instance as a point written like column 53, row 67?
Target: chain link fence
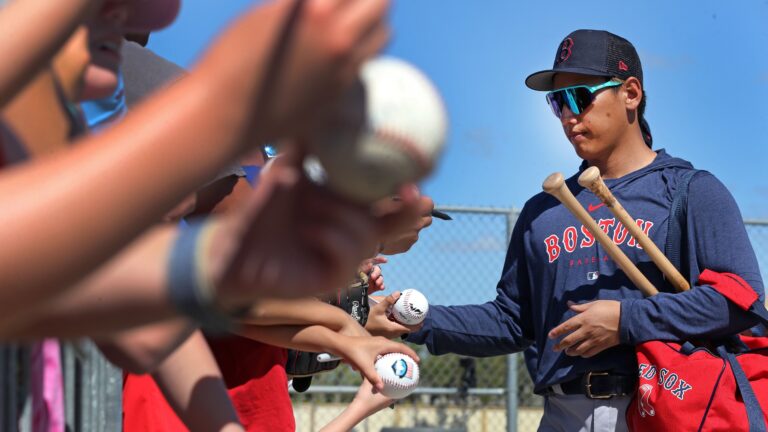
column 455, row 262
column 91, row 388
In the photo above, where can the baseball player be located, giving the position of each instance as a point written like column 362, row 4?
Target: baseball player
column 561, row 299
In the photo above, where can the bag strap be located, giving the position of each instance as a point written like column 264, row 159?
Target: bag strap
column 754, row 411
column 733, row 287
column 738, row 291
column 677, row 225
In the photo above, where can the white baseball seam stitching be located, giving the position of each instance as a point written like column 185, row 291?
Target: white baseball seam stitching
column 405, row 143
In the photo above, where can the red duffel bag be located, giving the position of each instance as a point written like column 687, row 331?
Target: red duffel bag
column 683, row 387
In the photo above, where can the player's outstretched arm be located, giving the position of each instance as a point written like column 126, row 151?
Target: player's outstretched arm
column 501, row 326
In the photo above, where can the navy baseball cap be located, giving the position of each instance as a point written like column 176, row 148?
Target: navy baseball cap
column 590, row 52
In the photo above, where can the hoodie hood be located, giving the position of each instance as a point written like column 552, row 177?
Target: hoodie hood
column 662, row 161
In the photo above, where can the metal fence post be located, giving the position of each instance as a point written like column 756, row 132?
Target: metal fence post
column 6, row 387
column 512, row 386
column 512, row 393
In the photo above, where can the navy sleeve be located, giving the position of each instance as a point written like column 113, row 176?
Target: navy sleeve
column 717, row 234
column 501, row 326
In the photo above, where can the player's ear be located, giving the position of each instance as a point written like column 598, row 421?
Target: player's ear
column 633, row 93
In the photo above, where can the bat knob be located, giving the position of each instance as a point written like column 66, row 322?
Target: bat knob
column 589, row 176
column 553, row 183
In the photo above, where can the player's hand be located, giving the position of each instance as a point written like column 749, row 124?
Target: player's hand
column 402, row 242
column 362, row 352
column 293, row 238
column 379, row 322
column 594, row 329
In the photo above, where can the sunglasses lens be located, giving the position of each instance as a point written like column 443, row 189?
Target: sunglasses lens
column 576, row 98
column 582, row 98
column 555, row 102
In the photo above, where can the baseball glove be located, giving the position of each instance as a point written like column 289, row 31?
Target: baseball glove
column 353, row 299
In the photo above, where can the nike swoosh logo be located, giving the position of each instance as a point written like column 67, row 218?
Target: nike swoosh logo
column 592, row 208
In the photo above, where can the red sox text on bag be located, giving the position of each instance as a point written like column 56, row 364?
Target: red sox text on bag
column 582, row 238
column 668, row 380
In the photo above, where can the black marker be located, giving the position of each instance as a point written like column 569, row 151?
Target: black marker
column 440, row 215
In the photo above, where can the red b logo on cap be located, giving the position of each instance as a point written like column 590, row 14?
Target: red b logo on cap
column 565, row 50
column 623, row 66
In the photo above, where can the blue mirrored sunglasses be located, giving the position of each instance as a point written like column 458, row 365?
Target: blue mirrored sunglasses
column 578, row 98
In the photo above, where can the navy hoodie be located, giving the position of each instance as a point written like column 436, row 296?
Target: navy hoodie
column 552, row 259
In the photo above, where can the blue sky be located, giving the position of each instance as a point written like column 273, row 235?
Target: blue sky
column 705, row 65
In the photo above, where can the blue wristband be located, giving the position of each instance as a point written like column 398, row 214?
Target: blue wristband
column 189, row 288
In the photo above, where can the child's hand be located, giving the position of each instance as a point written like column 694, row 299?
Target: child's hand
column 379, row 322
column 361, row 352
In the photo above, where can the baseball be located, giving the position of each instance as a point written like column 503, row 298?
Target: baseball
column 390, row 130
column 411, row 308
column 400, row 374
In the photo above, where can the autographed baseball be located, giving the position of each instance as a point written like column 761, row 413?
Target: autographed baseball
column 400, row 374
column 411, row 308
column 390, row 130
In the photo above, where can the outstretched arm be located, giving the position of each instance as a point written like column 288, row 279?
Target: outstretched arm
column 501, row 326
column 359, row 351
column 366, row 403
column 192, row 384
column 142, row 350
column 167, row 151
column 290, row 239
column 30, row 45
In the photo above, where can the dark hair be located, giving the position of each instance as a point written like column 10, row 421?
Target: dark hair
column 645, row 129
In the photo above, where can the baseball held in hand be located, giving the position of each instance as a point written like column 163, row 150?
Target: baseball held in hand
column 388, row 131
column 400, row 374
column 410, row 308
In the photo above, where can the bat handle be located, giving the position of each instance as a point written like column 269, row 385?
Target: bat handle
column 591, row 180
column 555, row 186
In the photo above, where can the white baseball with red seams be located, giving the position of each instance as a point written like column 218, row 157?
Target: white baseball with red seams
column 410, row 308
column 400, row 374
column 389, row 131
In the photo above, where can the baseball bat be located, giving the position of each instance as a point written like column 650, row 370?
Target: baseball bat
column 591, row 180
column 555, row 186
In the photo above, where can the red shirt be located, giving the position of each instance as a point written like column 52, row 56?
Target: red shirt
column 255, row 377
